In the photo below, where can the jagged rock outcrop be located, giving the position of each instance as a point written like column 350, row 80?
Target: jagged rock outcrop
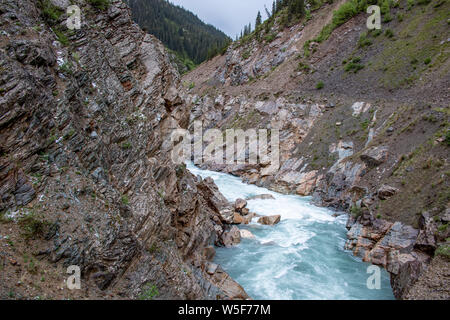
column 86, row 118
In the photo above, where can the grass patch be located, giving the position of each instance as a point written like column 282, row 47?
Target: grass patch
column 125, row 199
column 50, row 12
column 99, row 4
column 149, row 292
column 32, row 227
column 320, row 85
column 443, row 251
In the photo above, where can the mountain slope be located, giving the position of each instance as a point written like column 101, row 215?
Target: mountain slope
column 363, row 117
column 179, row 29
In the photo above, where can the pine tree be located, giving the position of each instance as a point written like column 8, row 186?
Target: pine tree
column 258, row 20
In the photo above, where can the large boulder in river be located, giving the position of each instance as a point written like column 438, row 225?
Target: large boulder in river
column 231, row 237
column 270, row 220
column 238, row 219
column 240, row 204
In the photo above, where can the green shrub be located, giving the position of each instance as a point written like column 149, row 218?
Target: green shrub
column 320, row 85
column 50, row 12
column 100, row 4
column 363, row 40
column 149, row 292
column 354, row 65
column 61, row 37
column 32, row 227
column 389, row 33
column 125, row 200
column 345, row 12
column 443, row 251
column 427, row 61
column 447, row 138
column 126, row 145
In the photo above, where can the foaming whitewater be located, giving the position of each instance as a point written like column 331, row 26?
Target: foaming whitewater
column 301, row 258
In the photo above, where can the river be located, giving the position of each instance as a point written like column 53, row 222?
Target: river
column 301, row 258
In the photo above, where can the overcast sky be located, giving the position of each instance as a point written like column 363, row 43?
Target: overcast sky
column 230, row 16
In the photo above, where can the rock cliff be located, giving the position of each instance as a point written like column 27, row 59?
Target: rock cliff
column 86, row 177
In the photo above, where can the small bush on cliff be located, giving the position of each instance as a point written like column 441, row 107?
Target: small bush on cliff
column 443, row 251
column 320, row 85
column 32, row 226
column 447, row 138
column 99, row 4
column 149, row 292
column 50, row 12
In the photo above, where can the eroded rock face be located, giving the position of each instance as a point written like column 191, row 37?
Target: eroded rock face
column 394, row 246
column 89, row 123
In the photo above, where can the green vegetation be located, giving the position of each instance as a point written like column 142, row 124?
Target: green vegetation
column 149, row 292
column 99, row 4
column 443, row 251
column 126, row 145
column 320, row 85
column 179, row 30
column 125, row 199
column 32, row 226
column 61, row 36
column 389, row 33
column 363, row 40
column 355, row 211
column 50, row 12
column 66, row 68
column 354, row 65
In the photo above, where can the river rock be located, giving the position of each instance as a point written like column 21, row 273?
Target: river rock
column 245, row 234
column 240, row 204
column 261, row 197
column 237, row 218
column 231, row 237
column 209, row 253
column 211, row 268
column 270, row 220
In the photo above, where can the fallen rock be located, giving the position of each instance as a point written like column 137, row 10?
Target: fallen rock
column 386, row 192
column 227, row 216
column 231, row 237
column 270, row 220
column 240, row 204
column 209, row 253
column 375, row 156
column 426, row 241
column 237, row 218
column 211, row 268
column 245, row 211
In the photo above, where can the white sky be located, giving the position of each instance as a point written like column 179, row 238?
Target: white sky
column 230, row 16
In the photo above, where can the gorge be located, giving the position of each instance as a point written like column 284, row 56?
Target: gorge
column 87, row 176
